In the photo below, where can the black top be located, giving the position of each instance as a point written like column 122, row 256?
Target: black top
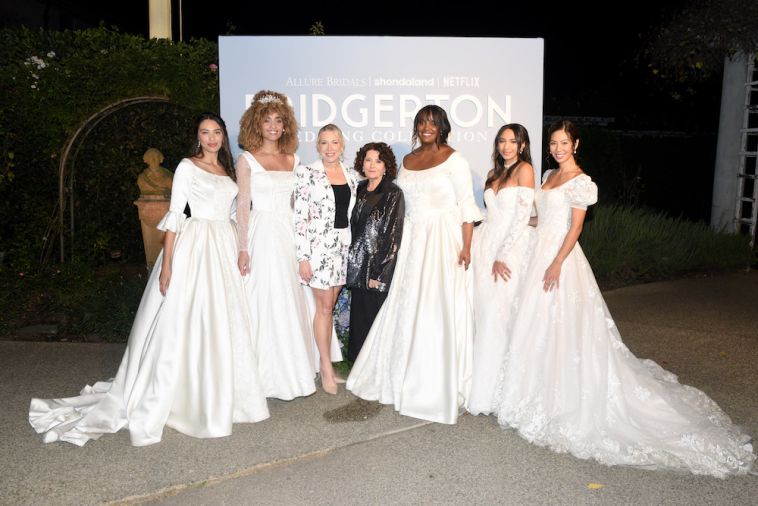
column 342, row 203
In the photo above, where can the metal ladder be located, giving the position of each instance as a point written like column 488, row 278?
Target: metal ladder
column 746, row 210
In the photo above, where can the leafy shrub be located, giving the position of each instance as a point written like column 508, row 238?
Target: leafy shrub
column 628, row 245
column 52, row 82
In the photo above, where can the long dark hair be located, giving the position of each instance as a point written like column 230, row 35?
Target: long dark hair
column 439, row 116
column 499, row 172
column 225, row 153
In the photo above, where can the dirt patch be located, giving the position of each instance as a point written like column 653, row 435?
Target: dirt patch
column 355, row 411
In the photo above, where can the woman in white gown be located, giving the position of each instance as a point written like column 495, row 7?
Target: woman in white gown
column 500, row 256
column 281, row 309
column 417, row 355
column 568, row 382
column 190, row 363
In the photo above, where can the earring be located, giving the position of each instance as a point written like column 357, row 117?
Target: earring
column 198, row 144
column 574, row 151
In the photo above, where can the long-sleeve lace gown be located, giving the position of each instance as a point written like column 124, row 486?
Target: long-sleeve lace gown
column 505, row 235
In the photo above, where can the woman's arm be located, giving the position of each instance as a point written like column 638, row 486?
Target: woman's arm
column 173, row 221
column 301, row 217
column 551, row 279
column 168, row 254
column 467, row 232
column 243, row 214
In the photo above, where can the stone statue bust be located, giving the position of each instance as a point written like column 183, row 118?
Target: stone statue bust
column 155, row 181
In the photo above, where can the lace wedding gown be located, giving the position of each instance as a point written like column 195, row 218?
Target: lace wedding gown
column 417, row 354
column 281, row 309
column 568, row 382
column 190, row 362
column 504, row 235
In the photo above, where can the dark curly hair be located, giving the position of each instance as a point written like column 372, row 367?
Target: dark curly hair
column 385, row 154
column 439, row 116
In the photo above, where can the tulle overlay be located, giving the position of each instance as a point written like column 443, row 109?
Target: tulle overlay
column 190, row 361
column 505, row 236
column 417, row 355
column 568, row 381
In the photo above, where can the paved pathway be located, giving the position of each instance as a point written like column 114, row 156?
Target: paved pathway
column 703, row 329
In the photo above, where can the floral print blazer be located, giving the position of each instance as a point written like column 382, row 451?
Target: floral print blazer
column 314, row 210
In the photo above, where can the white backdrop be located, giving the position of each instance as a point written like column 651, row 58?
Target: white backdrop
column 372, row 88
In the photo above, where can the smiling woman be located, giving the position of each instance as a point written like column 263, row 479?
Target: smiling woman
column 190, row 360
column 280, row 307
column 324, row 200
column 417, row 354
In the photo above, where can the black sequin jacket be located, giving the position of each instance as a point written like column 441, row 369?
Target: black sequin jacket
column 377, row 228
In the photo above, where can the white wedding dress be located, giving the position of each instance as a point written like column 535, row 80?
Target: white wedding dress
column 568, row 382
column 504, row 235
column 417, row 355
column 190, row 362
column 281, row 309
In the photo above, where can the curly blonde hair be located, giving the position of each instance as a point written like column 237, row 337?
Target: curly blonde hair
column 266, row 102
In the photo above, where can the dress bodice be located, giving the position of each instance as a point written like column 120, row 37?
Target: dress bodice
column 503, row 205
column 440, row 189
column 209, row 196
column 272, row 191
column 554, row 205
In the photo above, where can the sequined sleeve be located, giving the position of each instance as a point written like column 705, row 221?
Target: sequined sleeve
column 388, row 242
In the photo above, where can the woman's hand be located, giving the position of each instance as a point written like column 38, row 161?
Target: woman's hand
column 552, row 277
column 305, row 271
column 164, row 279
column 243, row 262
column 372, row 283
column 500, row 269
column 464, row 257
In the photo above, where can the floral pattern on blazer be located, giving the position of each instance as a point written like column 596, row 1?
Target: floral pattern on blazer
column 314, row 210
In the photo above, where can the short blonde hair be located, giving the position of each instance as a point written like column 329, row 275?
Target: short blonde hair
column 266, row 102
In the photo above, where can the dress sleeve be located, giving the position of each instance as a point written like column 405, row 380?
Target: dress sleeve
column 300, row 215
column 389, row 240
column 582, row 192
column 180, row 192
column 524, row 202
column 243, row 201
column 460, row 176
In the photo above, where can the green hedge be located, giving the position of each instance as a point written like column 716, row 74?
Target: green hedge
column 627, row 245
column 52, row 81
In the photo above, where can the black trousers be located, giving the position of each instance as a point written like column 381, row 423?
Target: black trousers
column 364, row 305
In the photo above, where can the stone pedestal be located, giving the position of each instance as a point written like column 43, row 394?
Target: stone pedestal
column 151, row 210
